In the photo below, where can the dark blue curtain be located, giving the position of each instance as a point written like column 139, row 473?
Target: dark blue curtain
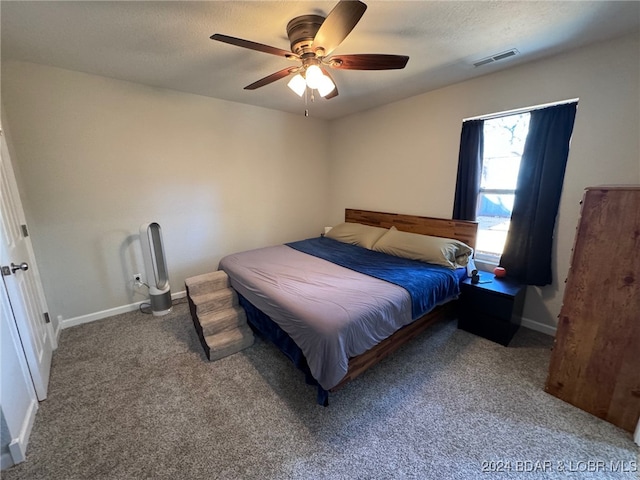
column 527, row 251
column 469, row 170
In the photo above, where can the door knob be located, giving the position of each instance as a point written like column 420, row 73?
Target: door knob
column 24, row 266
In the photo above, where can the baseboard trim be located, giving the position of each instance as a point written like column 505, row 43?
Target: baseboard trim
column 18, row 446
column 58, row 331
column 92, row 317
column 538, row 327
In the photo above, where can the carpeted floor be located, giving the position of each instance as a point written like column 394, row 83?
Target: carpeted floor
column 133, row 397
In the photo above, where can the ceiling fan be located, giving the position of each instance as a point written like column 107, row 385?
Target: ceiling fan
column 313, row 38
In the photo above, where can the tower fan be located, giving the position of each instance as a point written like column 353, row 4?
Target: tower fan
column 155, row 265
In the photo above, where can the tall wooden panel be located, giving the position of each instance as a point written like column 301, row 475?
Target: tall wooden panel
column 595, row 363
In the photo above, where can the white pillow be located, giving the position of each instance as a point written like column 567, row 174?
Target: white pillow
column 356, row 234
column 440, row 251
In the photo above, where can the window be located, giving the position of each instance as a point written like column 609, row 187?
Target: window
column 515, row 227
column 504, row 139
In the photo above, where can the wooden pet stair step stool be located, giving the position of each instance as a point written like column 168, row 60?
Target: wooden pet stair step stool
column 219, row 320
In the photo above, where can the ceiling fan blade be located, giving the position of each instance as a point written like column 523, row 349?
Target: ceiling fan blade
column 338, row 24
column 272, row 78
column 239, row 42
column 334, row 92
column 368, row 61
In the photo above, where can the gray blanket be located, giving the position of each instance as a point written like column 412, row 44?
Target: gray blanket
column 331, row 312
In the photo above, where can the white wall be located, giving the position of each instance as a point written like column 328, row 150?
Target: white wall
column 403, row 157
column 98, row 157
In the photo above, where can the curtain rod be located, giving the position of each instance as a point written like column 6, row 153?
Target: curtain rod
column 517, row 111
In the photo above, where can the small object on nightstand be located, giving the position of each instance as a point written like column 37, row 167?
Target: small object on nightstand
column 491, row 307
column 475, row 278
column 500, row 272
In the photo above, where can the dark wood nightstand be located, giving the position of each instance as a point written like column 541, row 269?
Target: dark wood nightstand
column 491, row 310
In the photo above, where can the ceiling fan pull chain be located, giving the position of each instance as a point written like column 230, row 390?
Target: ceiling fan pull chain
column 306, row 103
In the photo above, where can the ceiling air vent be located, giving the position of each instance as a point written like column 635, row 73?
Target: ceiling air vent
column 496, row 57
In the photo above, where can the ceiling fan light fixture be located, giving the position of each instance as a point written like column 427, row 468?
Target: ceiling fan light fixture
column 298, row 84
column 314, row 76
column 326, row 86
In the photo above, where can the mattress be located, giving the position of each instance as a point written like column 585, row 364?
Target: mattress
column 335, row 300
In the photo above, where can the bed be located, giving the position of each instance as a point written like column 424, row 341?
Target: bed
column 335, row 308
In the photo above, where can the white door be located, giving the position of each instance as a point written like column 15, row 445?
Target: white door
column 18, row 400
column 20, row 276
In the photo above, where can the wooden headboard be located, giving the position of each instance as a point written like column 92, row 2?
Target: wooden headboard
column 462, row 230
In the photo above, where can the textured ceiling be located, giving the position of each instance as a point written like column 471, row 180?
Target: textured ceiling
column 166, row 44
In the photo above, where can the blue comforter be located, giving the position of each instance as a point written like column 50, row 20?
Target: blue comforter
column 427, row 284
